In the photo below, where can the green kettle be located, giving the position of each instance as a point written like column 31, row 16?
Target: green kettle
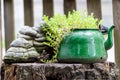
column 85, row 46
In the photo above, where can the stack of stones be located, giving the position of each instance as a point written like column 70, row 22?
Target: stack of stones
column 28, row 46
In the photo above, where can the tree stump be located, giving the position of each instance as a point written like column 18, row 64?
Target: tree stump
column 60, row 71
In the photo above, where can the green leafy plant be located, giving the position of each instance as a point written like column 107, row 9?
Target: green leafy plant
column 55, row 30
column 60, row 25
column 82, row 20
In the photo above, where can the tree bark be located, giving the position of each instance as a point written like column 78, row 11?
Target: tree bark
column 59, row 71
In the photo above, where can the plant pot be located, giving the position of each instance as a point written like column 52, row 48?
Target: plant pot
column 82, row 46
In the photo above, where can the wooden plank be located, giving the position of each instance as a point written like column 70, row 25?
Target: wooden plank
column 48, row 8
column 116, row 18
column 94, row 6
column 28, row 13
column 0, row 35
column 9, row 22
column 69, row 5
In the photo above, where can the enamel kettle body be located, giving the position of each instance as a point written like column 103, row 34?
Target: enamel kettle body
column 84, row 46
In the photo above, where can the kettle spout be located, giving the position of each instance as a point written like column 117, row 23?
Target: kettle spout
column 109, row 42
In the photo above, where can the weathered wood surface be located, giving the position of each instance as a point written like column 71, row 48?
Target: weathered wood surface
column 28, row 13
column 0, row 39
column 69, row 5
column 57, row 71
column 94, row 6
column 9, row 22
column 116, row 20
column 0, row 35
column 48, row 8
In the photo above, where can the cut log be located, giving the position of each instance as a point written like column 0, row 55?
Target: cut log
column 60, row 71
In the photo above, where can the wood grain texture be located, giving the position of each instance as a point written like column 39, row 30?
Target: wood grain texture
column 48, row 8
column 94, row 6
column 116, row 20
column 28, row 13
column 0, row 35
column 69, row 5
column 59, row 71
column 9, row 22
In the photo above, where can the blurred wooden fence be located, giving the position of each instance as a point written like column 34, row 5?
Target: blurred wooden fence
column 92, row 6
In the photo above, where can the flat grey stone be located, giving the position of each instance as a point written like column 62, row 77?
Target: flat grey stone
column 26, row 30
column 39, row 35
column 25, row 55
column 31, row 49
column 38, row 44
column 24, row 36
column 21, row 56
column 40, row 39
column 18, row 55
column 38, row 29
column 21, row 42
column 9, row 55
column 41, row 48
column 17, row 49
column 33, row 54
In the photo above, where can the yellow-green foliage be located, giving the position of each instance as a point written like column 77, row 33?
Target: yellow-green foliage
column 82, row 20
column 60, row 25
column 56, row 30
